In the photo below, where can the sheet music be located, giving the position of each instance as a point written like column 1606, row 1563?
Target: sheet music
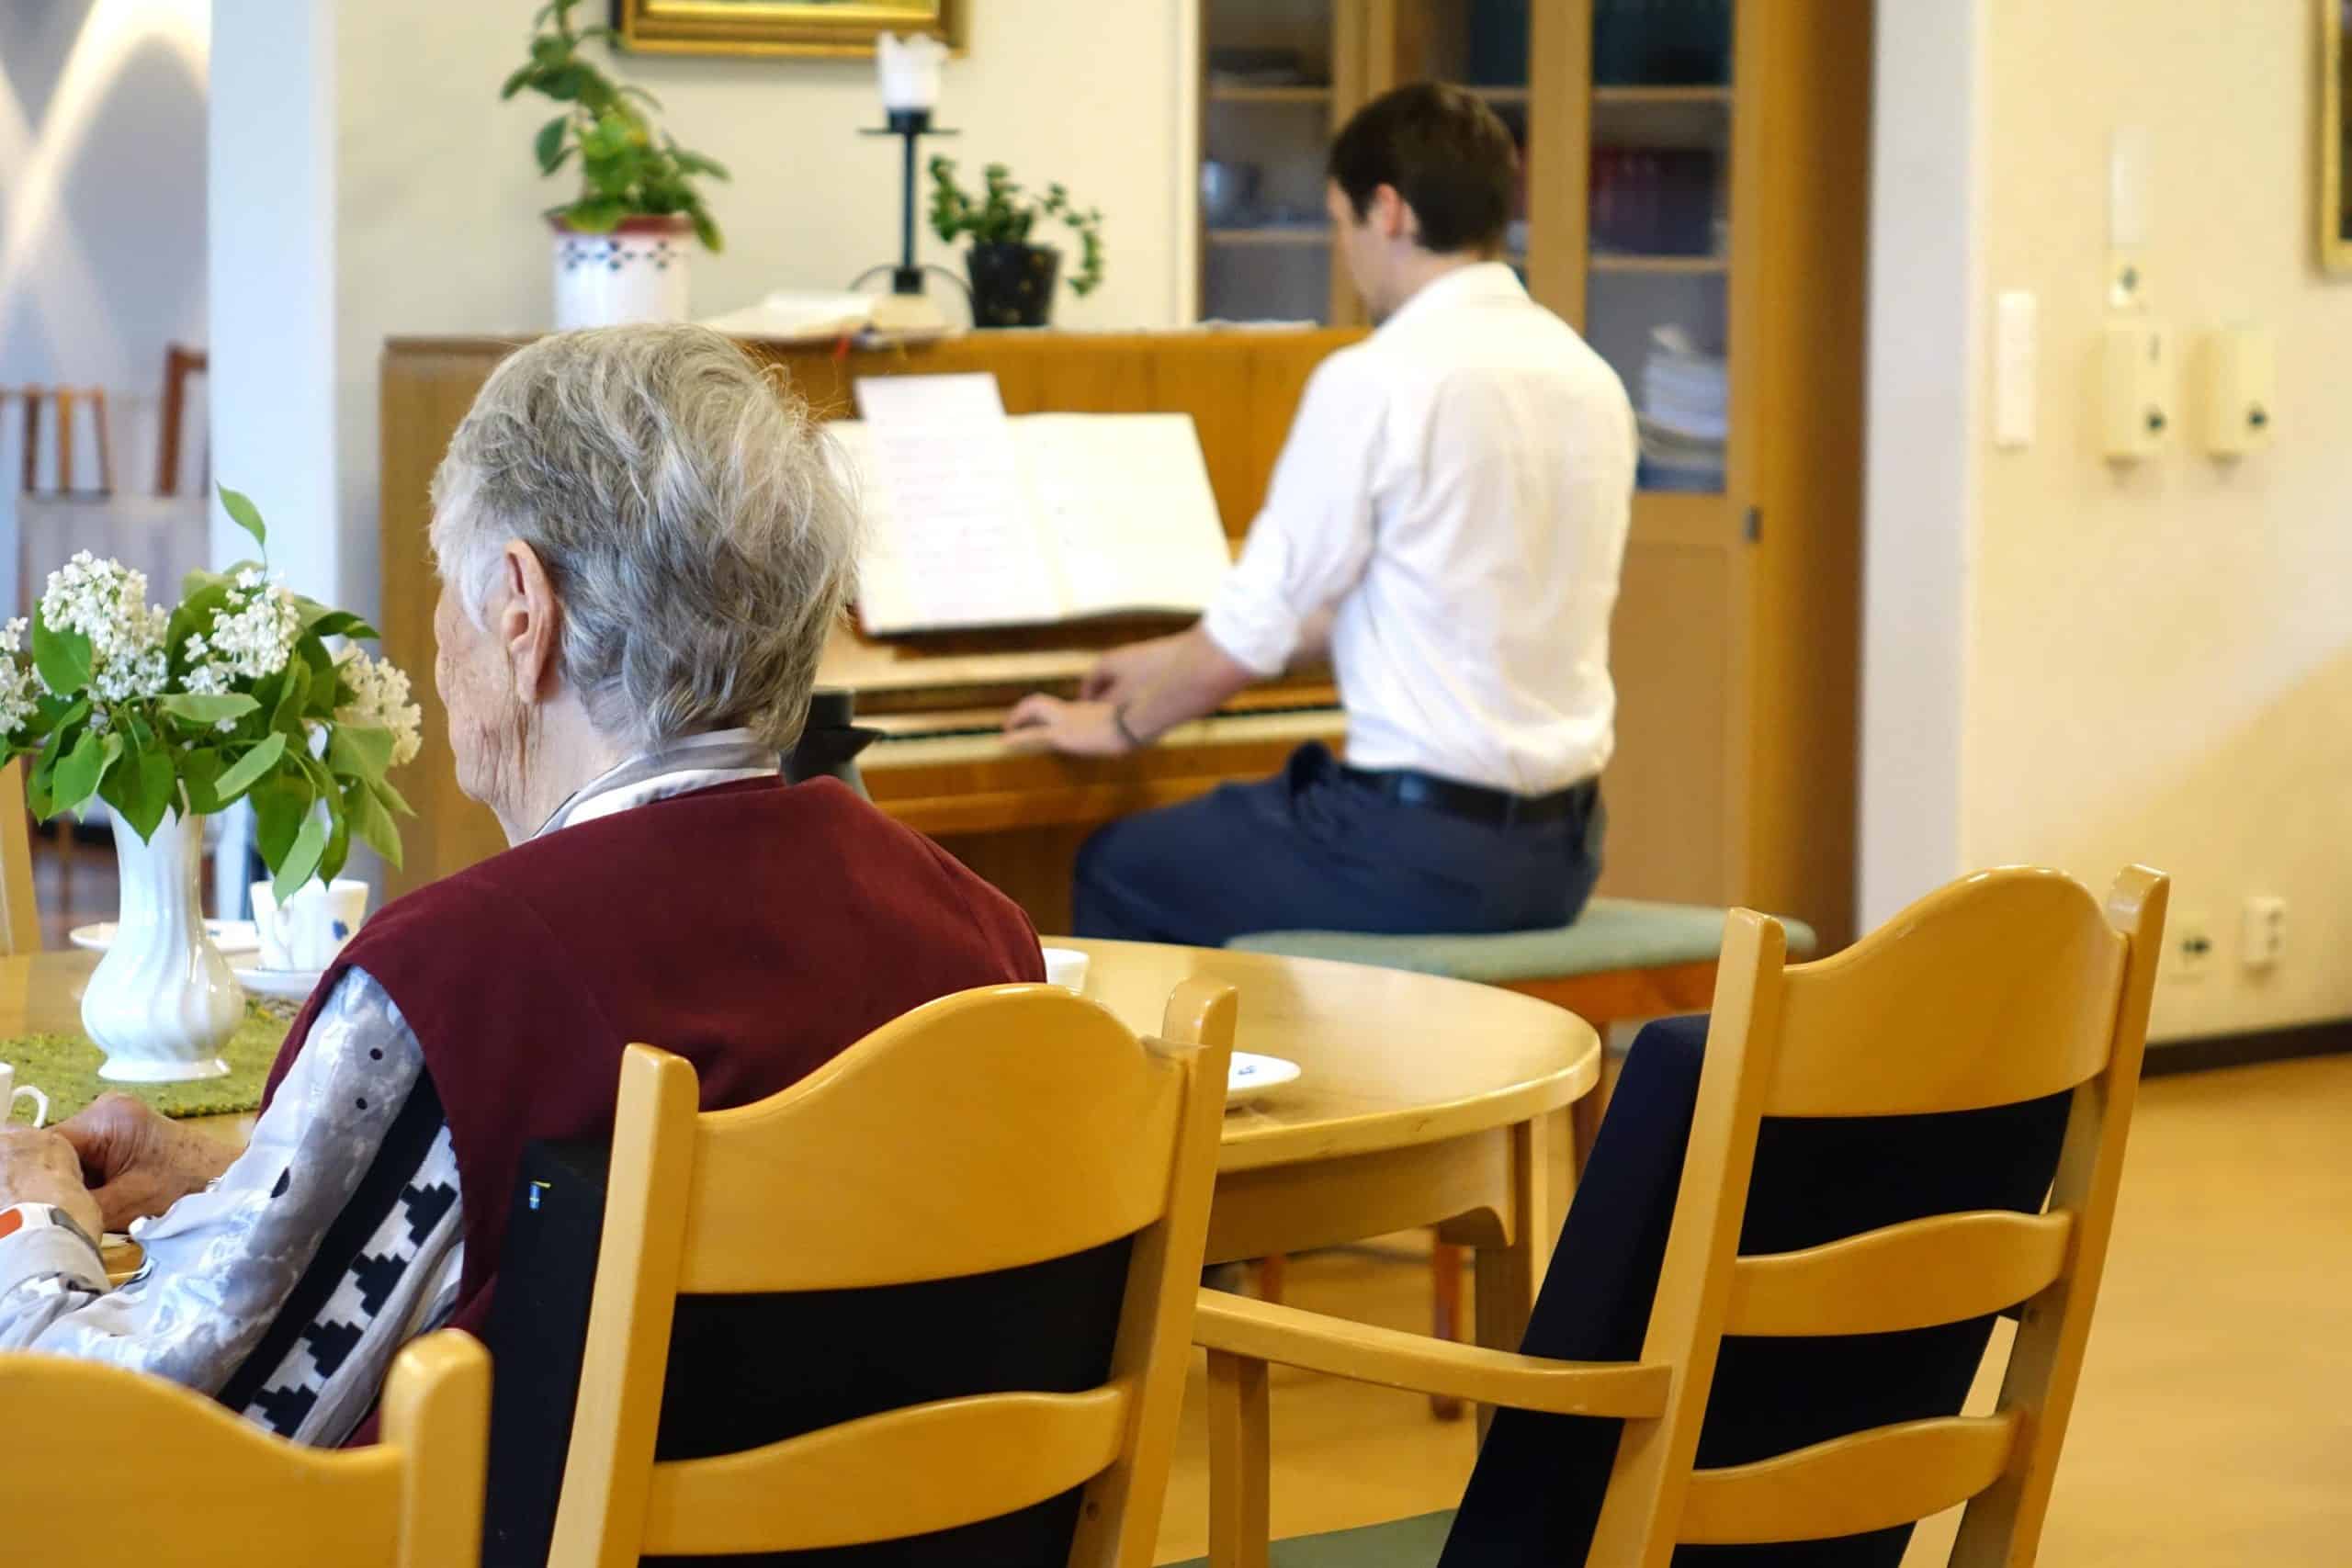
column 1127, row 507
column 962, row 530
column 974, row 519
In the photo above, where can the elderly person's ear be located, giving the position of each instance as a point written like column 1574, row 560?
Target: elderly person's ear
column 529, row 622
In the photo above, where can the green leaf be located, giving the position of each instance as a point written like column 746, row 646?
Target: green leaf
column 200, row 581
column 76, row 777
column 287, row 717
column 242, row 774
column 338, row 849
column 301, row 862
column 696, row 163
column 200, row 777
column 63, row 658
column 550, row 144
column 707, row 231
column 520, row 79
column 564, row 82
column 342, row 623
column 597, row 216
column 201, row 707
column 140, row 788
column 281, row 802
column 359, row 751
column 393, row 800
column 372, row 824
column 243, row 513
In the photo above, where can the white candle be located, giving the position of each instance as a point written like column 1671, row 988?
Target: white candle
column 910, row 69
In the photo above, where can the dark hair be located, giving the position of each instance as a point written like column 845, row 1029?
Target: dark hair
column 1441, row 150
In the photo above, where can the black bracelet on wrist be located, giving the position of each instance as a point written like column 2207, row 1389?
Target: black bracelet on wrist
column 1119, row 722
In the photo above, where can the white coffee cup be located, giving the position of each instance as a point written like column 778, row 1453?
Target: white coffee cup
column 8, row 1092
column 1066, row 967
column 310, row 928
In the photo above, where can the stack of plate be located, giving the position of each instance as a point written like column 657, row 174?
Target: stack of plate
column 1685, row 413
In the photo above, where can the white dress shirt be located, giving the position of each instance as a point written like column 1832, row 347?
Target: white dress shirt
column 1458, row 486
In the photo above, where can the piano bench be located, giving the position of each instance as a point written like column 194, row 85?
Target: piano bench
column 1624, row 961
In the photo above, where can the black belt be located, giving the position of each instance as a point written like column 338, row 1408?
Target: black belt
column 1475, row 803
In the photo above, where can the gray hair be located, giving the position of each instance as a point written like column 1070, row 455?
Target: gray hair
column 697, row 525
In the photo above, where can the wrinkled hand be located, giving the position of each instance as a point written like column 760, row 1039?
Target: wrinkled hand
column 1123, row 671
column 1080, row 729
column 139, row 1162
column 41, row 1168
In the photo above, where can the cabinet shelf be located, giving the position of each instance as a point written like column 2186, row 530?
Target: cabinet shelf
column 1238, row 92
column 1270, row 234
column 1496, row 95
column 1662, row 96
column 1676, row 266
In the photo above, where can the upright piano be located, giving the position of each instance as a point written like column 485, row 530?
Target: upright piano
column 941, row 764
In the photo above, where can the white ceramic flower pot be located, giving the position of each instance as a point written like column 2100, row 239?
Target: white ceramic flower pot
column 163, row 1001
column 637, row 272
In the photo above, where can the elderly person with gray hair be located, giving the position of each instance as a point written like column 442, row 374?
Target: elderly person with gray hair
column 642, row 544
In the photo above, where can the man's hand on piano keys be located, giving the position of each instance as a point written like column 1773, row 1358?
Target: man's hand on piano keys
column 1080, row 729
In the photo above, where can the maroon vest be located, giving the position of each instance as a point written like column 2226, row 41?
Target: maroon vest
column 756, row 929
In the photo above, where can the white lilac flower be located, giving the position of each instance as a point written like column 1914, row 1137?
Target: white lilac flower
column 106, row 602
column 16, row 693
column 100, row 721
column 252, row 634
column 11, row 635
column 379, row 697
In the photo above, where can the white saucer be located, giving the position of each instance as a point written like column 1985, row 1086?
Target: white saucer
column 1252, row 1075
column 228, row 936
column 286, row 984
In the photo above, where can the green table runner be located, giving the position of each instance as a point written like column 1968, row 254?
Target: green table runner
column 65, row 1068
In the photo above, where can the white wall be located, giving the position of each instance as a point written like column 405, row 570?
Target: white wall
column 2156, row 662
column 437, row 227
column 102, row 217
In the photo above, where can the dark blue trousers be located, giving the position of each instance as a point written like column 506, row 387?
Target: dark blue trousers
column 1314, row 850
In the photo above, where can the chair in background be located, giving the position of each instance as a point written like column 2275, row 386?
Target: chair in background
column 1764, row 1332
column 19, row 911
column 63, row 403
column 180, row 362
column 114, row 1468
column 989, row 1131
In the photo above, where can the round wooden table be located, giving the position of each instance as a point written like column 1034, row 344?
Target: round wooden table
column 1421, row 1102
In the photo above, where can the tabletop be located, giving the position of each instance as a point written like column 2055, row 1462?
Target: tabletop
column 1387, row 1059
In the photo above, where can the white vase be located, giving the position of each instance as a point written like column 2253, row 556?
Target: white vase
column 163, row 1001
column 637, row 272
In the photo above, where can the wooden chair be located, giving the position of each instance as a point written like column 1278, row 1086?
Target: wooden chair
column 985, row 1131
column 19, row 912
column 113, row 1469
column 63, row 402
column 180, row 362
column 2010, row 990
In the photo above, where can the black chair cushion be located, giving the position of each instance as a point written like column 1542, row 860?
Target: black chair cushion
column 1535, row 1493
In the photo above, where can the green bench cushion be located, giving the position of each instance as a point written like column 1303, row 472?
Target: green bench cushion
column 1400, row 1543
column 1612, row 933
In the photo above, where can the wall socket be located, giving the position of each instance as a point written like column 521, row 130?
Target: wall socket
column 2263, row 940
column 2192, row 946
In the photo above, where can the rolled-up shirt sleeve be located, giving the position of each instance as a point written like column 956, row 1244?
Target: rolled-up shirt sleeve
column 1313, row 539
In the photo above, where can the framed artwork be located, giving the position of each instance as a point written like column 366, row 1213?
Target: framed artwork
column 2335, row 135
column 822, row 28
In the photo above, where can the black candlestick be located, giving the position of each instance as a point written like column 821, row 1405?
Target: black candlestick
column 913, row 125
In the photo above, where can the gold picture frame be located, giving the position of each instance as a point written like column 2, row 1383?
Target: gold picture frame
column 2335, row 136
column 825, row 29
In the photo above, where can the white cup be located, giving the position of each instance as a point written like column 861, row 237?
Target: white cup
column 1066, row 967
column 310, row 928
column 8, row 1092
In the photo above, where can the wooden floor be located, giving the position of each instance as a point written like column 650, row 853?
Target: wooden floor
column 2215, row 1420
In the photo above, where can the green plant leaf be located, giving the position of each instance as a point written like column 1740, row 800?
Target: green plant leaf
column 696, row 163
column 549, row 144
column 707, row 231
column 200, row 777
column 63, row 658
column 76, row 776
column 242, row 774
column 243, row 513
column 371, row 823
column 596, row 216
column 282, row 801
column 338, row 849
column 564, row 82
column 359, row 751
column 141, row 789
column 303, row 857
column 199, row 707
column 393, row 800
column 287, row 717
column 518, row 80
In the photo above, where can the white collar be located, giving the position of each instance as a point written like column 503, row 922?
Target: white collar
column 688, row 763
column 1478, row 281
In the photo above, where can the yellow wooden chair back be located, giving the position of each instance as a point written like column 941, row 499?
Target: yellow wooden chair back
column 19, row 919
column 986, row 1131
column 112, row 1469
column 2004, row 987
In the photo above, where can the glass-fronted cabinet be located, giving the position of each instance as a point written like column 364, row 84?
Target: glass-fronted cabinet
column 1270, row 101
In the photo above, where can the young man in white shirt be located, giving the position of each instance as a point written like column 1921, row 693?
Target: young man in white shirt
column 1448, row 519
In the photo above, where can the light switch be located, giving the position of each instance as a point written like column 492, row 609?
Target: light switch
column 2014, row 362
column 2240, row 370
column 2135, row 389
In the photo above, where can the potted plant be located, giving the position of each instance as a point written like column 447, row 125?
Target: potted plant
column 621, row 245
column 169, row 715
column 1012, row 281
